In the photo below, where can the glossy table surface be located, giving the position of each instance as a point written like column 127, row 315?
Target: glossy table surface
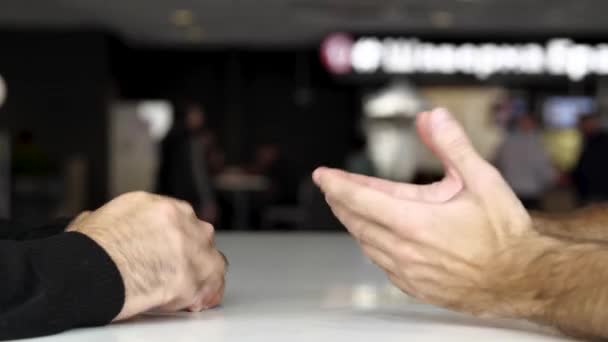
column 309, row 287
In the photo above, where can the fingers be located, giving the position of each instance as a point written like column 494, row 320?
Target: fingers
column 364, row 231
column 207, row 229
column 210, row 296
column 398, row 190
column 438, row 192
column 371, row 204
column 211, row 283
column 200, row 302
column 184, row 206
column 448, row 140
column 380, row 258
column 217, row 299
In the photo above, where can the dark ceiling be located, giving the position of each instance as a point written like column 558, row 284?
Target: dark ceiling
column 288, row 22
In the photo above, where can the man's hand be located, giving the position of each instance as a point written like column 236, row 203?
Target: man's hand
column 448, row 243
column 76, row 222
column 166, row 256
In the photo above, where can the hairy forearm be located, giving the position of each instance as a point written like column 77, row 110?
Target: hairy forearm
column 588, row 224
column 557, row 283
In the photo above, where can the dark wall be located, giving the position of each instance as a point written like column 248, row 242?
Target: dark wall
column 58, row 85
column 300, row 107
column 252, row 97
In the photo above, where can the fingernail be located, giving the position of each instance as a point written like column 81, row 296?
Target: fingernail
column 439, row 117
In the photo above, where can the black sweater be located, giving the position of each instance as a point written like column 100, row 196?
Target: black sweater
column 51, row 281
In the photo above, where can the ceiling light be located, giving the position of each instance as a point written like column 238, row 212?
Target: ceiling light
column 182, row 17
column 442, row 19
column 158, row 115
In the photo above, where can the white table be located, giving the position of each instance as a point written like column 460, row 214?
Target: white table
column 312, row 287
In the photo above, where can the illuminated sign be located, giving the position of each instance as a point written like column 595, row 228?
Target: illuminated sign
column 2, row 91
column 368, row 55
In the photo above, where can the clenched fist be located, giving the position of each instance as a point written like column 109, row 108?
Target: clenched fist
column 166, row 256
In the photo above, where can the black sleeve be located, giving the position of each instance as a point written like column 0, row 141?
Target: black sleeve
column 54, row 284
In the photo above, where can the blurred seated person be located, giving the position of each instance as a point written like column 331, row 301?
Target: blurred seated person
column 184, row 168
column 589, row 175
column 525, row 163
column 214, row 154
column 269, row 162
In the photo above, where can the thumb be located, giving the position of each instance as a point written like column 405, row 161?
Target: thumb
column 449, row 140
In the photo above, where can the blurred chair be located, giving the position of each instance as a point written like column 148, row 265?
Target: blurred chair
column 311, row 212
column 292, row 216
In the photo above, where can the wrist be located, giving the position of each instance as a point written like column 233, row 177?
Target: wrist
column 140, row 295
column 520, row 280
column 551, row 225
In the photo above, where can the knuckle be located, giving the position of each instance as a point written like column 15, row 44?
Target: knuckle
column 208, row 232
column 209, row 227
column 366, row 250
column 186, row 207
column 168, row 209
column 458, row 146
column 455, row 140
column 407, row 228
column 179, row 242
column 138, row 195
column 404, row 255
column 362, row 234
column 356, row 228
column 491, row 174
column 459, row 153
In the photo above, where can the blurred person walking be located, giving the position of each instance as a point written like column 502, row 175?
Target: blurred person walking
column 589, row 175
column 184, row 170
column 525, row 163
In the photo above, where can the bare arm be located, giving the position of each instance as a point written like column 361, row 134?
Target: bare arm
column 457, row 245
column 588, row 224
column 557, row 283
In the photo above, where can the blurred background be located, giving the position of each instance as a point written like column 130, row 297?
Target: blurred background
column 231, row 104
